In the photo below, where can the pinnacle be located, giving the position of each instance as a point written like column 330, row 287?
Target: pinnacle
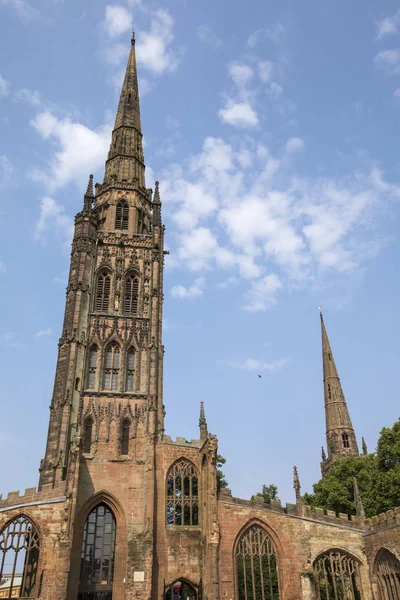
column 157, row 194
column 89, row 189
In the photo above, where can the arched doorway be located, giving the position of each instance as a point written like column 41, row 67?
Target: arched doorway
column 181, row 590
column 387, row 570
column 98, row 554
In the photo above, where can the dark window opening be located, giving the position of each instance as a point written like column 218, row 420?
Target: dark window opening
column 345, row 439
column 111, row 366
column 130, row 370
column 98, row 554
column 125, row 438
column 131, row 300
column 92, row 367
column 182, row 494
column 103, row 291
column 329, row 391
column 19, row 557
column 87, row 439
column 122, row 215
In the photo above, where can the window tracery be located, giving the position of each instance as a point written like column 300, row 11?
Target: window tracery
column 182, row 494
column 103, row 291
column 98, row 553
column 130, row 370
column 345, row 440
column 387, row 568
column 336, row 576
column 111, row 366
column 122, row 215
column 19, row 557
column 131, row 298
column 91, row 378
column 256, row 565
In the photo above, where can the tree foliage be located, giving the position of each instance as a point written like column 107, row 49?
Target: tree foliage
column 221, row 481
column 268, row 492
column 378, row 477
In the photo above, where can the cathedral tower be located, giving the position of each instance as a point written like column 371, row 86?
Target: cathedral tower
column 340, row 437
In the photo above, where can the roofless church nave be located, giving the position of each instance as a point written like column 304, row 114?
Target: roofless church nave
column 122, row 511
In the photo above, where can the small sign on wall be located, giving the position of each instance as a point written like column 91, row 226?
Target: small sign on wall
column 138, row 576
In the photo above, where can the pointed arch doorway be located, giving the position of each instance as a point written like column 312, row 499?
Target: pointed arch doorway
column 181, row 590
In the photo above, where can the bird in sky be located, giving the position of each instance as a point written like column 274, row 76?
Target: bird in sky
column 260, row 376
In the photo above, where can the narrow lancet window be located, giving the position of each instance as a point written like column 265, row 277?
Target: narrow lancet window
column 345, row 440
column 19, row 557
column 111, row 366
column 91, row 380
column 125, row 438
column 103, row 291
column 131, row 299
column 182, row 494
column 130, row 370
column 87, row 438
column 122, row 215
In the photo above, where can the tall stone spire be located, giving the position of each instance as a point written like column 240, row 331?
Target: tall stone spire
column 340, row 437
column 125, row 163
column 203, row 423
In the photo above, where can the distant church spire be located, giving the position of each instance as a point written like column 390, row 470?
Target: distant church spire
column 296, row 485
column 126, row 141
column 203, row 422
column 340, row 437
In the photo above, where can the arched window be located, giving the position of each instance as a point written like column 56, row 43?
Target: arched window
column 182, row 494
column 130, row 369
column 122, row 215
column 387, row 569
column 125, row 438
column 111, row 367
column 98, row 551
column 131, row 299
column 91, row 378
column 181, row 590
column 256, row 566
column 103, row 291
column 87, row 437
column 19, row 556
column 336, row 576
column 345, row 440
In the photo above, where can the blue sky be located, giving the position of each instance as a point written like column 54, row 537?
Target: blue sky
column 273, row 129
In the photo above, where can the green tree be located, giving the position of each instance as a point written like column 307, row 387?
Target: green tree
column 221, row 481
column 378, row 477
column 268, row 492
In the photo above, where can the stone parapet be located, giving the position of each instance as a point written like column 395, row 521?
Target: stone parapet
column 32, row 496
column 181, row 441
column 384, row 520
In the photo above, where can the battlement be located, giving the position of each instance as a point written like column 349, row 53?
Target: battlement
column 391, row 518
column 32, row 496
column 181, row 441
column 299, row 510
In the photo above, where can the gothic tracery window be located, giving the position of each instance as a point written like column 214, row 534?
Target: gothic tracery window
column 98, row 552
column 19, row 556
column 256, row 565
column 336, row 576
column 130, row 369
column 345, row 440
column 131, row 298
column 387, row 568
column 92, row 368
column 103, row 291
column 111, row 366
column 182, row 494
column 122, row 215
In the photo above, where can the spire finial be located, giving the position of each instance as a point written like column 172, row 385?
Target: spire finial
column 157, row 192
column 133, row 38
column 203, row 423
column 364, row 447
column 89, row 189
column 157, row 206
column 360, row 512
column 89, row 195
column 323, row 454
column 320, row 313
column 296, row 484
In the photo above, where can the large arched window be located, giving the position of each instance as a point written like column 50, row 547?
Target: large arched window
column 98, row 551
column 122, row 215
column 125, row 437
column 103, row 291
column 131, row 298
column 336, row 576
column 256, row 565
column 92, row 367
column 387, row 569
column 130, row 369
column 182, row 494
column 111, row 366
column 19, row 556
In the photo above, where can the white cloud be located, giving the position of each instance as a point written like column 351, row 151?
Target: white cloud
column 231, row 280
column 4, row 87
column 388, row 61
column 23, row 9
column 254, row 365
column 80, row 150
column 396, row 93
column 183, row 293
column 240, row 73
column 266, row 70
column 53, row 221
column 153, row 47
column 388, row 26
column 2, row 267
column 31, row 97
column 6, row 172
column 117, row 20
column 262, row 293
column 9, row 339
column 294, row 145
column 240, row 114
column 207, row 36
column 43, row 333
column 276, row 34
